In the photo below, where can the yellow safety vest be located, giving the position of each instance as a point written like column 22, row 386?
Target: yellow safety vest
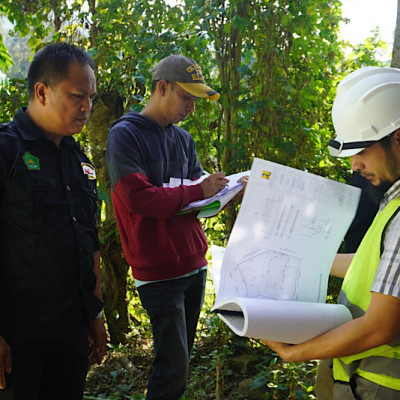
column 380, row 365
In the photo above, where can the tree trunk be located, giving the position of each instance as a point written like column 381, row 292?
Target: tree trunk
column 229, row 63
column 114, row 276
column 107, row 108
column 396, row 43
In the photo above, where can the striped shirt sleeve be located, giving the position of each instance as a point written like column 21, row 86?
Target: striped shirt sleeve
column 387, row 277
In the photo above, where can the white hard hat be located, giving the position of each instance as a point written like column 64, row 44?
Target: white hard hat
column 365, row 110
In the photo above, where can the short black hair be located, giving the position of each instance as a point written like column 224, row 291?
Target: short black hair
column 50, row 64
column 385, row 141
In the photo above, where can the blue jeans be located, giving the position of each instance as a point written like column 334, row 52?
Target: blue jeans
column 174, row 308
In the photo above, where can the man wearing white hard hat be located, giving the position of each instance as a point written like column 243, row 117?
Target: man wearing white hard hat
column 366, row 350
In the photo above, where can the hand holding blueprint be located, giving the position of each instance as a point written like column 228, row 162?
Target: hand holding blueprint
column 275, row 270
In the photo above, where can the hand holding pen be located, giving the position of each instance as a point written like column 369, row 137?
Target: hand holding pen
column 213, row 184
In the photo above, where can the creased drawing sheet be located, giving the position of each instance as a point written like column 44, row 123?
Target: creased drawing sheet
column 275, row 269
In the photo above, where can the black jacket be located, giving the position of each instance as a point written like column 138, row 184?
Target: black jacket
column 48, row 203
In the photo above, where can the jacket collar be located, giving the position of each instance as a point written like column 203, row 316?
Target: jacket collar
column 30, row 131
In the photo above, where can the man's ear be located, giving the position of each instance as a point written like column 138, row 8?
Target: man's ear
column 162, row 87
column 396, row 135
column 41, row 92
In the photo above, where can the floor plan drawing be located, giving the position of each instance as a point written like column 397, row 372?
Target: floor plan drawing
column 277, row 278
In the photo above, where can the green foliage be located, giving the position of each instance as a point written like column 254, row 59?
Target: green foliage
column 284, row 71
column 285, row 381
column 5, row 58
column 276, row 65
column 367, row 53
column 13, row 95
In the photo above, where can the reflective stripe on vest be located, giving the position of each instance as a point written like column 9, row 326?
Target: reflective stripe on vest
column 380, row 364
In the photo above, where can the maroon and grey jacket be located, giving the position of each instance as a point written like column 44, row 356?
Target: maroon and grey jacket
column 141, row 156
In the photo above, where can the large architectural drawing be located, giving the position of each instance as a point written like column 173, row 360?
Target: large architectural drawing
column 276, row 266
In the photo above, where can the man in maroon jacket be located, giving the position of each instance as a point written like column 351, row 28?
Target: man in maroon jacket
column 165, row 250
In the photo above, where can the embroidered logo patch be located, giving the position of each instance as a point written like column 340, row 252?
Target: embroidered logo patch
column 31, row 161
column 89, row 170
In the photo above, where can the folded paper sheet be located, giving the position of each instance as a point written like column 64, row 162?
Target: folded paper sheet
column 281, row 320
column 275, row 269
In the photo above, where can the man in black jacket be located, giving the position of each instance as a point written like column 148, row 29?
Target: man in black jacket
column 50, row 295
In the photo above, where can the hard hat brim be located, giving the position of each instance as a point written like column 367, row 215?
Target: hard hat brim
column 339, row 148
column 343, row 153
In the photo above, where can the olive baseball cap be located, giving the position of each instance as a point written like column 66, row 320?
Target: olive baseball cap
column 186, row 73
